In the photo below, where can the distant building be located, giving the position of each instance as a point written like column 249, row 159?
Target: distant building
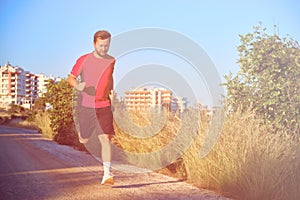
column 180, row 103
column 17, row 86
column 43, row 81
column 146, row 98
column 20, row 87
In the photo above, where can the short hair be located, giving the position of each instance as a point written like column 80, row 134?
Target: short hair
column 102, row 34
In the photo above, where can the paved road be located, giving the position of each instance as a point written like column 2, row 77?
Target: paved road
column 32, row 167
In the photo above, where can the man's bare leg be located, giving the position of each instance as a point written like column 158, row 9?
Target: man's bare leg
column 106, row 159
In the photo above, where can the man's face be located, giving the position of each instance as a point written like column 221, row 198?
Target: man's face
column 102, row 46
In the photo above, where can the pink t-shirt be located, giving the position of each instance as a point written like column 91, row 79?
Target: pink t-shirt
column 96, row 72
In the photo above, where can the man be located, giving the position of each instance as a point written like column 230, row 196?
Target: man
column 95, row 114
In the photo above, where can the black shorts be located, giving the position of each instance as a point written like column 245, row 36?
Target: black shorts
column 94, row 120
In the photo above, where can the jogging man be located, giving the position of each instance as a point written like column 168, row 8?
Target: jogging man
column 95, row 70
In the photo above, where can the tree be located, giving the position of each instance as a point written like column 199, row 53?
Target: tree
column 268, row 79
column 59, row 95
column 40, row 104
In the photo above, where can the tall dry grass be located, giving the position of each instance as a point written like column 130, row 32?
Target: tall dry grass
column 145, row 140
column 134, row 138
column 249, row 161
column 21, row 123
column 42, row 121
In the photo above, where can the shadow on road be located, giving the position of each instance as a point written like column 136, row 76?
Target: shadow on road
column 145, row 184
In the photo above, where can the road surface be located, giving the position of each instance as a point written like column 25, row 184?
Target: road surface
column 35, row 168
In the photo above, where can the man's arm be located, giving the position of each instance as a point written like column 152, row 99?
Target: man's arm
column 74, row 83
column 76, row 70
column 72, row 80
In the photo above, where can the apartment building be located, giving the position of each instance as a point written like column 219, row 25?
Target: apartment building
column 180, row 104
column 17, row 86
column 43, row 80
column 145, row 98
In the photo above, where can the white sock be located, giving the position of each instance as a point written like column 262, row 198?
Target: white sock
column 106, row 167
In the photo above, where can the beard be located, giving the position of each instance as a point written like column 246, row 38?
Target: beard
column 100, row 53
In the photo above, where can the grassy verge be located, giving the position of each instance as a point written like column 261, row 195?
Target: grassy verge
column 249, row 161
column 135, row 133
column 20, row 123
column 41, row 123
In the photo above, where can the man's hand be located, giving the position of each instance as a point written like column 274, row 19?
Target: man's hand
column 111, row 95
column 89, row 90
column 80, row 86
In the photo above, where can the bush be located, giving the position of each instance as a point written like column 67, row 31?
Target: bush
column 268, row 79
column 59, row 95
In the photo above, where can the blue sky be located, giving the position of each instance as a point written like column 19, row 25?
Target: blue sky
column 48, row 35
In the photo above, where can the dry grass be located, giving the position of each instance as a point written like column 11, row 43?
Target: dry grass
column 248, row 162
column 42, row 121
column 137, row 133
column 20, row 123
column 144, row 136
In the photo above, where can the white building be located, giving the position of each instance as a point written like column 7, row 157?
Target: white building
column 17, row 86
column 20, row 87
column 43, row 81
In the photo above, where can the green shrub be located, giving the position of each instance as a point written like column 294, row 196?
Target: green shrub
column 59, row 95
column 268, row 79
